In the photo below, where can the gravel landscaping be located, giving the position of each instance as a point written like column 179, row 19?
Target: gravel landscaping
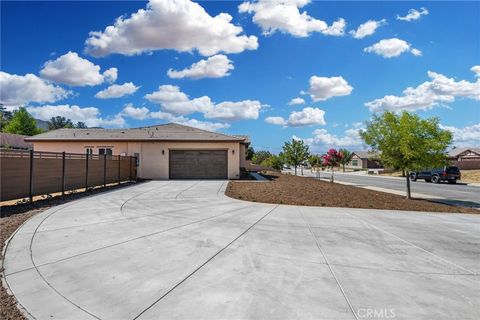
column 294, row 190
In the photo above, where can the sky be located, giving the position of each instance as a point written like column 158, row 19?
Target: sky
column 273, row 70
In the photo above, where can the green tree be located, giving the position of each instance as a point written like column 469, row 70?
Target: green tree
column 5, row 117
column 81, row 125
column 59, row 122
column 274, row 161
column 22, row 123
column 407, row 142
column 314, row 160
column 295, row 152
column 347, row 155
column 249, row 152
column 260, row 156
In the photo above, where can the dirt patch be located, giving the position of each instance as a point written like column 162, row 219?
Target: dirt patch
column 471, row 176
column 289, row 189
column 11, row 217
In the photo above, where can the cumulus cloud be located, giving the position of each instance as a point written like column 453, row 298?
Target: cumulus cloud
column 285, row 16
column 324, row 140
column 75, row 71
column 296, row 101
column 306, row 117
column 20, row 90
column 367, row 29
column 476, row 70
column 323, row 88
column 389, row 48
column 90, row 115
column 439, row 90
column 413, row 14
column 131, row 111
column 174, row 101
column 180, row 25
column 117, row 91
column 217, row 66
column 465, row 137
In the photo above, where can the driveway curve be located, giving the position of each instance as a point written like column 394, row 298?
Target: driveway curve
column 183, row 250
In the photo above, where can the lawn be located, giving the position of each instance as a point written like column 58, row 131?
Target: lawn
column 294, row 190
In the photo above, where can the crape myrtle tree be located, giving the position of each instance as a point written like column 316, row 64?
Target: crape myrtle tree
column 407, row 142
column 295, row 152
column 347, row 155
column 331, row 159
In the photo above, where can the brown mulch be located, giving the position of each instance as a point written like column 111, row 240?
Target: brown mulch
column 11, row 217
column 294, row 190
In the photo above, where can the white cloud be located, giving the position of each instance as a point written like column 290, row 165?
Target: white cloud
column 439, row 90
column 20, row 90
column 217, row 66
column 324, row 140
column 176, row 102
column 205, row 125
column 111, row 75
column 180, row 25
column 465, row 137
column 367, row 29
column 89, row 115
column 136, row 113
column 306, row 117
column 389, row 48
column 296, row 101
column 476, row 70
column 72, row 70
column 285, row 16
column 413, row 14
column 323, row 88
column 117, row 91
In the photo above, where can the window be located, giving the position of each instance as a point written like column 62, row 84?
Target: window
column 354, row 163
column 89, row 151
column 105, row 151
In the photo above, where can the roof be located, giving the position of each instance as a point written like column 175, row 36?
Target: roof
column 455, row 152
column 246, row 139
column 366, row 154
column 164, row 132
column 15, row 141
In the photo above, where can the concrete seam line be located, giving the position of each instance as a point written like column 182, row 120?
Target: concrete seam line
column 219, row 189
column 328, row 264
column 142, row 193
column 190, row 187
column 206, row 262
column 413, row 245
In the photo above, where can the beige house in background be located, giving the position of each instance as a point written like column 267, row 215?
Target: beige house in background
column 361, row 160
column 169, row 151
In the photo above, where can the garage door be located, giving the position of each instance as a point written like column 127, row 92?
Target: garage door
column 198, row 164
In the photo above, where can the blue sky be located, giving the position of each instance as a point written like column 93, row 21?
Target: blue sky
column 253, row 65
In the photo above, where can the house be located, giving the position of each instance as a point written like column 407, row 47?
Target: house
column 14, row 141
column 169, row 151
column 464, row 154
column 364, row 160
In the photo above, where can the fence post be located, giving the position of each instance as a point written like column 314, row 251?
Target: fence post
column 63, row 173
column 104, row 170
column 119, row 159
column 86, row 171
column 31, row 176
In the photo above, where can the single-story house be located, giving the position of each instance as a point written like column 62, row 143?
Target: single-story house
column 364, row 160
column 14, row 141
column 168, row 151
column 464, row 154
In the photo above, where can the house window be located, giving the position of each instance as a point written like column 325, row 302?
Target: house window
column 354, row 163
column 89, row 151
column 105, row 151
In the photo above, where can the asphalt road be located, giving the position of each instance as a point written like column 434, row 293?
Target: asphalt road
column 459, row 193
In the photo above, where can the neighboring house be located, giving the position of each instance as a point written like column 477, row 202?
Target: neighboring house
column 14, row 141
column 464, row 154
column 169, row 151
column 364, row 160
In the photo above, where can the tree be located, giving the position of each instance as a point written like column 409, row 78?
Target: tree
column 314, row 160
column 81, row 125
column 22, row 123
column 331, row 159
column 5, row 117
column 274, row 161
column 346, row 156
column 260, row 156
column 295, row 152
column 407, row 142
column 59, row 122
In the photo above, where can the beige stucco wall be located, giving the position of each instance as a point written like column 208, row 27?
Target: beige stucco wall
column 152, row 163
column 359, row 165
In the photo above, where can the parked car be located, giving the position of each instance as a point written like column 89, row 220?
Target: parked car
column 286, row 167
column 450, row 174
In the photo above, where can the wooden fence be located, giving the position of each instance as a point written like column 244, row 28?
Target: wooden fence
column 466, row 164
column 25, row 174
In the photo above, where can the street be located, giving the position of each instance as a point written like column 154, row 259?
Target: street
column 452, row 193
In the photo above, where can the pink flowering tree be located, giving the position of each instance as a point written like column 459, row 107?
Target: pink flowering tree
column 331, row 159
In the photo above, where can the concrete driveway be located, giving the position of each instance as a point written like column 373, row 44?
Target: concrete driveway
column 182, row 249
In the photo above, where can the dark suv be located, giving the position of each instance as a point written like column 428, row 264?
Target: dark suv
column 450, row 174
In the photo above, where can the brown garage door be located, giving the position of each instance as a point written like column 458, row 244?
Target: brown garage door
column 198, row 164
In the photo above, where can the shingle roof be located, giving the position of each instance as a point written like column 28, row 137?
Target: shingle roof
column 366, row 154
column 164, row 132
column 16, row 141
column 456, row 151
